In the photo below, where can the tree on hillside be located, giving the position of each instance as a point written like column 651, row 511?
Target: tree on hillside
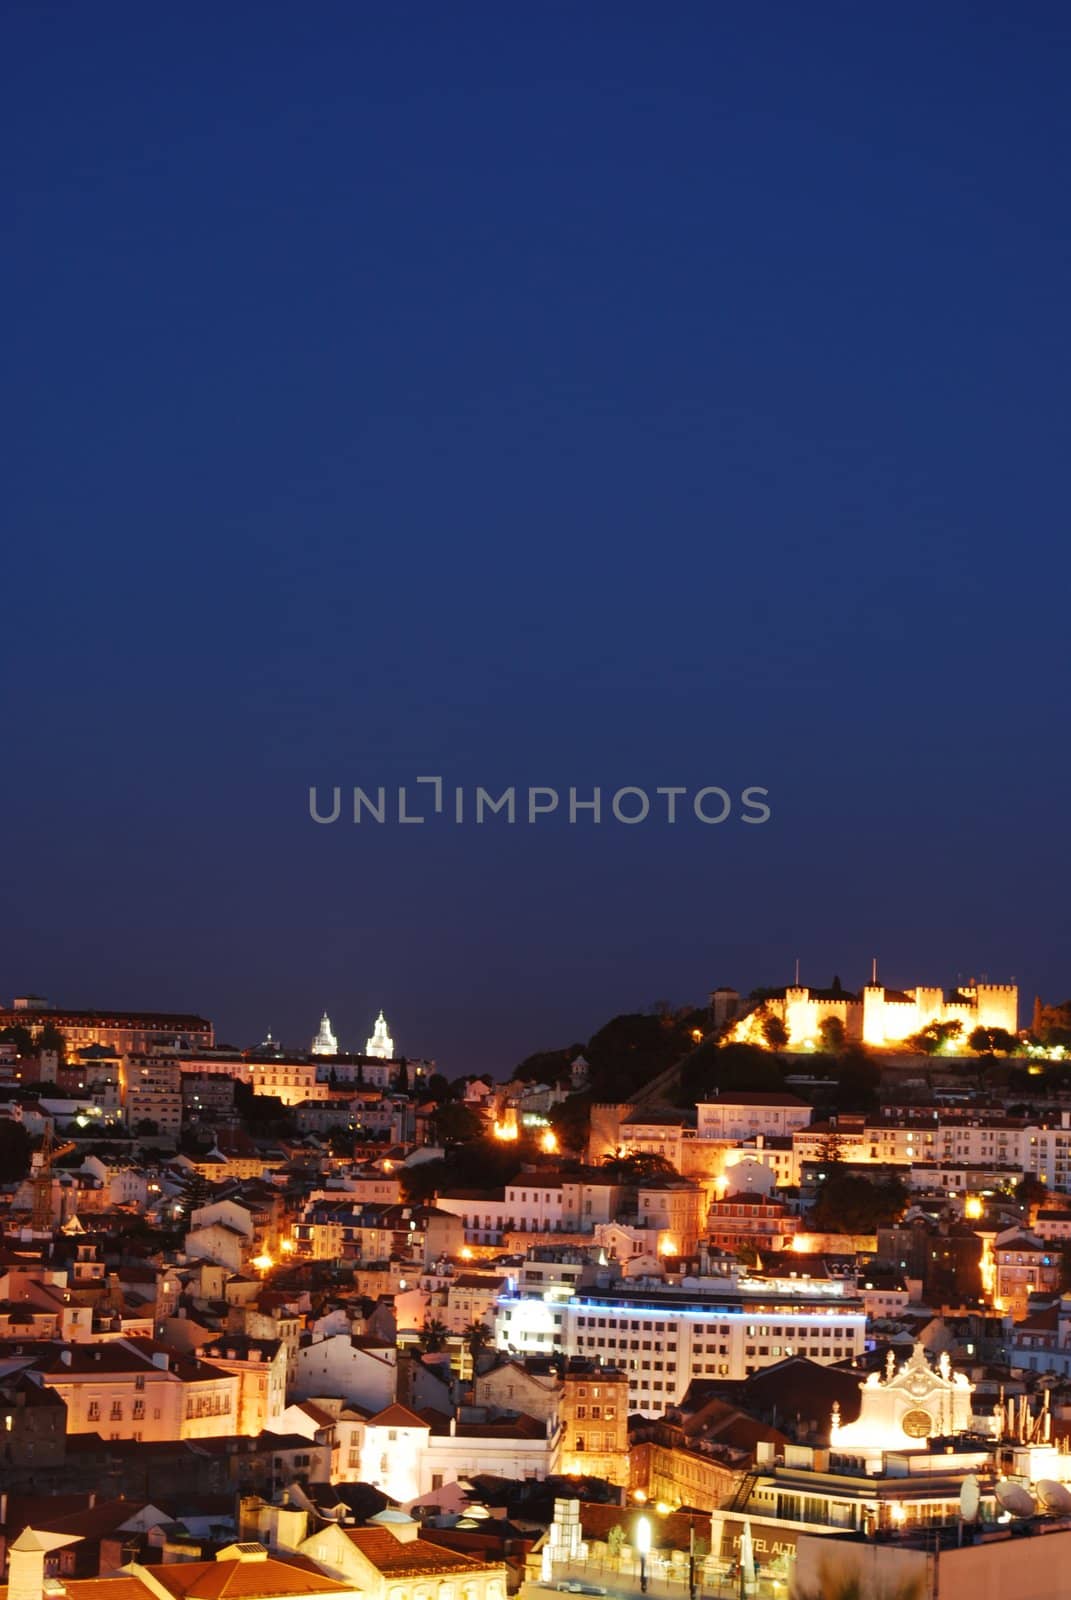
column 774, row 1032
column 422, row 1181
column 858, row 1080
column 632, row 1049
column 988, row 1041
column 454, row 1123
column 547, row 1066
column 16, row 1147
column 20, row 1037
column 849, row 1203
column 638, row 1165
column 831, row 1035
column 52, row 1040
column 712, row 1067
column 935, row 1038
column 571, row 1120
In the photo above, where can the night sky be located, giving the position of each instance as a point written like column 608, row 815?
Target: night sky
column 562, row 394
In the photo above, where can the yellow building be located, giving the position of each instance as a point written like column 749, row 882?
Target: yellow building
column 879, row 1016
column 594, row 1415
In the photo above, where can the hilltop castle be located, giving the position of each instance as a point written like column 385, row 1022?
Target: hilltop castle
column 876, row 1015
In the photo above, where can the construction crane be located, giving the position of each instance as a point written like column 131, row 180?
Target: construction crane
column 41, row 1181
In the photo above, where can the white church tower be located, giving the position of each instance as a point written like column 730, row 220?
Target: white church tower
column 325, row 1043
column 380, row 1045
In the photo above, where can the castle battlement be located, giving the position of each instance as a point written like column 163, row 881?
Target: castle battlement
column 880, row 1016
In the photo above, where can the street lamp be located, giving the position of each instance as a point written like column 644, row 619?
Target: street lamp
column 642, row 1544
column 691, row 1558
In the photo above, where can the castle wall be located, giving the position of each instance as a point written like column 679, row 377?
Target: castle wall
column 998, row 1006
column 604, row 1137
column 878, row 1021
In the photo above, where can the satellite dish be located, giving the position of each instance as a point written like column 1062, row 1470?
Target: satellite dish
column 1014, row 1498
column 969, row 1498
column 1053, row 1496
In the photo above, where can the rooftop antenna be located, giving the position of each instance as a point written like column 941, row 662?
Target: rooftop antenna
column 797, row 972
column 874, row 969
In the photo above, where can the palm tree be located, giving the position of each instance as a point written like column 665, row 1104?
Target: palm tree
column 476, row 1338
column 432, row 1335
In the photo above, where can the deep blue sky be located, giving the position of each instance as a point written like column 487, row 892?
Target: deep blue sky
column 556, row 394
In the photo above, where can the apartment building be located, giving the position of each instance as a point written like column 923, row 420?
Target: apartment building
column 663, row 1337
column 742, row 1114
column 134, row 1389
column 594, row 1415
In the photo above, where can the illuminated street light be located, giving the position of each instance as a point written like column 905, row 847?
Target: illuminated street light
column 642, row 1544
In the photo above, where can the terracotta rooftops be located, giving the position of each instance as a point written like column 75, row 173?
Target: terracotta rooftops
column 408, row 1558
column 267, row 1576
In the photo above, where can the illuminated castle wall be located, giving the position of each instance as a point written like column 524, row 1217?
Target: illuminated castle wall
column 881, row 1016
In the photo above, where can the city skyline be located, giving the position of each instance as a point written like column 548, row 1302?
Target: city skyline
column 347, row 1027
column 535, row 998
column 534, row 403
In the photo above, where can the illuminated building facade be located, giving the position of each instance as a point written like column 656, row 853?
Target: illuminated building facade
column 663, row 1338
column 380, row 1045
column 879, row 1016
column 123, row 1032
column 325, row 1043
column 594, row 1415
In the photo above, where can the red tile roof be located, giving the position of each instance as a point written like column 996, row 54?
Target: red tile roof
column 245, row 1580
column 396, row 1416
column 409, row 1558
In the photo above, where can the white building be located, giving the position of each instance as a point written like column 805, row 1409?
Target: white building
column 380, row 1045
column 663, row 1337
column 407, row 1456
column 343, row 1366
column 744, row 1114
column 325, row 1043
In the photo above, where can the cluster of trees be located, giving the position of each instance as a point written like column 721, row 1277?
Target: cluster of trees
column 476, row 1337
column 717, row 1068
column 994, row 1041
column 937, row 1038
column 638, row 1165
column 478, row 1163
column 49, row 1040
column 16, row 1147
column 850, row 1203
column 626, row 1052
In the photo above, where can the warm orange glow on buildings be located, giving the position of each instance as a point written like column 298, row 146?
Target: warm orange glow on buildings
column 880, row 1016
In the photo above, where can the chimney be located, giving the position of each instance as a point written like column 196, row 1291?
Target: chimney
column 26, row 1570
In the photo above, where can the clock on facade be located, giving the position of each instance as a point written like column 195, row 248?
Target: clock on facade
column 917, row 1424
